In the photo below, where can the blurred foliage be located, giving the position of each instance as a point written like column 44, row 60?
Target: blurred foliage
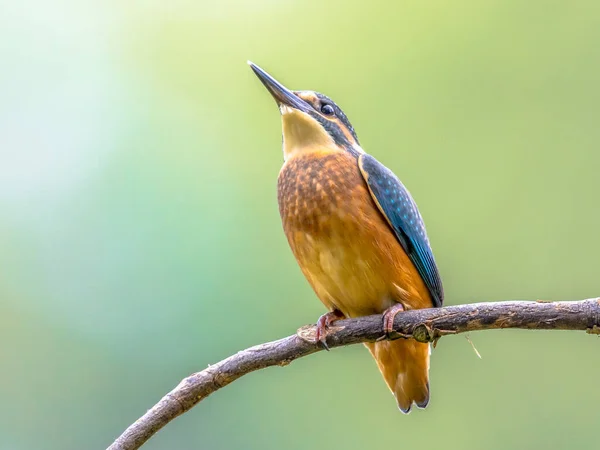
column 141, row 240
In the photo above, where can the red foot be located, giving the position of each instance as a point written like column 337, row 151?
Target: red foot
column 323, row 324
column 388, row 318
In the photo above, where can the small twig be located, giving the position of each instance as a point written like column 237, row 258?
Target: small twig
column 473, row 346
column 424, row 325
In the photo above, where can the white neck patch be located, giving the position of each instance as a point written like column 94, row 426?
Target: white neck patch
column 302, row 133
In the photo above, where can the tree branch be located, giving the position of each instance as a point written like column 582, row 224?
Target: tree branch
column 425, row 325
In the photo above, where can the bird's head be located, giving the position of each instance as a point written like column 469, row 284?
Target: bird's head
column 310, row 120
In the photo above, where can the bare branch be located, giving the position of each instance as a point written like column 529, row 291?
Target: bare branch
column 425, row 325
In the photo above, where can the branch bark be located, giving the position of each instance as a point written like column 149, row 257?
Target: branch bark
column 425, row 325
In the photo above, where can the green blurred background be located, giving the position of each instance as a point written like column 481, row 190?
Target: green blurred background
column 140, row 238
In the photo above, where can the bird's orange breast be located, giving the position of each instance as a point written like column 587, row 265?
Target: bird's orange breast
column 343, row 244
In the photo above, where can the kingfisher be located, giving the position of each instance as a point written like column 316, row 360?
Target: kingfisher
column 355, row 232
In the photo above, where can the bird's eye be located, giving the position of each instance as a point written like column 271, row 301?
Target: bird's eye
column 327, row 109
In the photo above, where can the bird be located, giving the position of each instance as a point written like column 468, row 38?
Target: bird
column 356, row 233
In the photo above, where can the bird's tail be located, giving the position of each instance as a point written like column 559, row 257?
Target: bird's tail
column 404, row 364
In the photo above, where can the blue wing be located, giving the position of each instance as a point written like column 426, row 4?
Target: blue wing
column 401, row 212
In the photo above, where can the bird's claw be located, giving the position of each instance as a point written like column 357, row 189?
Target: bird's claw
column 323, row 325
column 388, row 322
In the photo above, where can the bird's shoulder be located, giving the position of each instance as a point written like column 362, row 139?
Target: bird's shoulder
column 401, row 212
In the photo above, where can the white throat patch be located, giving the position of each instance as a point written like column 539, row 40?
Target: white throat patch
column 301, row 132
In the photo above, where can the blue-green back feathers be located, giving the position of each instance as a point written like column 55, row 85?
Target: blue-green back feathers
column 400, row 210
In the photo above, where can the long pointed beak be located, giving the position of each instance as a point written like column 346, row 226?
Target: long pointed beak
column 281, row 94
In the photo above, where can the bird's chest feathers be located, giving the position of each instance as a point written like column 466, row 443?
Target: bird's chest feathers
column 321, row 195
column 328, row 217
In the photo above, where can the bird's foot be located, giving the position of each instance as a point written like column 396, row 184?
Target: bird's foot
column 388, row 321
column 324, row 323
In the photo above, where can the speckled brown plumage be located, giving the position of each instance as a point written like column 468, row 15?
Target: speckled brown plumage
column 311, row 188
